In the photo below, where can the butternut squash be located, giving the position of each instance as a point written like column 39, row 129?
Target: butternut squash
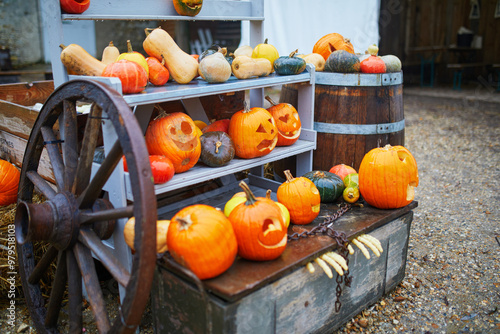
column 110, row 54
column 159, row 44
column 245, row 67
column 80, row 62
column 316, row 59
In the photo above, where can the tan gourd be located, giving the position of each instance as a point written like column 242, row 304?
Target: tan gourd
column 110, row 54
column 78, row 61
column 159, row 44
column 244, row 50
column 215, row 68
column 316, row 59
column 245, row 67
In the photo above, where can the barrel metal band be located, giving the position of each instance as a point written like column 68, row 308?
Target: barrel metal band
column 359, row 129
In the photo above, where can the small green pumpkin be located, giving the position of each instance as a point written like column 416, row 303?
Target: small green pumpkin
column 217, row 148
column 330, row 186
column 342, row 62
column 289, row 65
column 392, row 63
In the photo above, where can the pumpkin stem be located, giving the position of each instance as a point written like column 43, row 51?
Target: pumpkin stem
column 265, row 41
column 249, row 194
column 62, row 46
column 184, row 223
column 217, row 145
column 161, row 112
column 147, row 31
column 222, row 50
column 129, row 46
column 293, row 53
column 111, row 43
column 246, row 107
column 268, row 193
column 289, row 177
column 268, row 98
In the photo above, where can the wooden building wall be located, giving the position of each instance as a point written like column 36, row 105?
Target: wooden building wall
column 421, row 29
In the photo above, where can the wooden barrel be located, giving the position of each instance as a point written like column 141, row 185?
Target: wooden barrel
column 353, row 113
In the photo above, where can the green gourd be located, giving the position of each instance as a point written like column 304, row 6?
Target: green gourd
column 288, row 65
column 330, row 186
column 341, row 61
column 217, row 148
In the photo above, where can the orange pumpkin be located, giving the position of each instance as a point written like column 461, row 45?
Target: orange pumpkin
column 174, row 136
column 342, row 170
column 133, row 77
column 161, row 168
column 253, row 132
column 332, row 42
column 301, row 198
column 202, row 239
column 188, row 7
column 259, row 227
column 9, row 183
column 388, row 176
column 158, row 74
column 287, row 122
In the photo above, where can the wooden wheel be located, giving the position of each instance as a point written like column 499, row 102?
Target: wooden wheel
column 76, row 217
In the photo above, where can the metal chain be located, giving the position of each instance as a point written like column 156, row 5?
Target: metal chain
column 325, row 227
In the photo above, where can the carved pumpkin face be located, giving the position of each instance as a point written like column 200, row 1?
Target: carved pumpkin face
column 175, row 136
column 188, row 7
column 259, row 228
column 253, row 132
column 388, row 176
column 287, row 122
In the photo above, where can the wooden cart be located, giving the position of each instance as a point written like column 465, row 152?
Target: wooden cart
column 87, row 203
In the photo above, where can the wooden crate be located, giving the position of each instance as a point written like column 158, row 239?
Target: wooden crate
column 17, row 116
column 281, row 296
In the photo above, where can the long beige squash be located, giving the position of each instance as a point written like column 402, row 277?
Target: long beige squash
column 78, row 61
column 182, row 67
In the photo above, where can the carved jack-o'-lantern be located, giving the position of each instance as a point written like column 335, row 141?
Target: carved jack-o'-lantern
column 259, row 227
column 253, row 132
column 287, row 122
column 174, row 136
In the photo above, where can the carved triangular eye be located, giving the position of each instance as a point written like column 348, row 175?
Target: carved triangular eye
column 261, row 129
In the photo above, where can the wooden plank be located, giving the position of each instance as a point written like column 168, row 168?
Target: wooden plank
column 27, row 94
column 298, row 302
column 16, row 119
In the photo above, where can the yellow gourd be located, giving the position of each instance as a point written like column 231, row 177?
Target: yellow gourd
column 316, row 59
column 182, row 67
column 265, row 50
column 245, row 67
column 161, row 234
column 135, row 57
column 215, row 68
column 110, row 53
column 80, row 62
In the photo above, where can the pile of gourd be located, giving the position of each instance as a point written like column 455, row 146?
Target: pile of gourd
column 207, row 240
column 338, row 53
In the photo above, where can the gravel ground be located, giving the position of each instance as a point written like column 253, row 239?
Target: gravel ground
column 452, row 282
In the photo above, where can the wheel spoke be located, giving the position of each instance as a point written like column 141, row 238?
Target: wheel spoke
column 94, row 292
column 93, row 190
column 42, row 265
column 41, row 184
column 115, row 268
column 104, row 215
column 89, row 143
column 52, row 147
column 57, row 293
column 70, row 145
column 75, row 294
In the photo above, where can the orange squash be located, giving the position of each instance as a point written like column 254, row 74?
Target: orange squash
column 158, row 73
column 301, row 198
column 132, row 76
column 9, row 182
column 202, row 239
column 388, row 176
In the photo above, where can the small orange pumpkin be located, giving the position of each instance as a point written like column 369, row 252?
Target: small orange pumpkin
column 158, row 73
column 301, row 198
column 388, row 176
column 259, row 227
column 174, row 136
column 287, row 122
column 132, row 76
column 253, row 132
column 332, row 42
column 202, row 239
column 188, row 7
column 9, row 183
